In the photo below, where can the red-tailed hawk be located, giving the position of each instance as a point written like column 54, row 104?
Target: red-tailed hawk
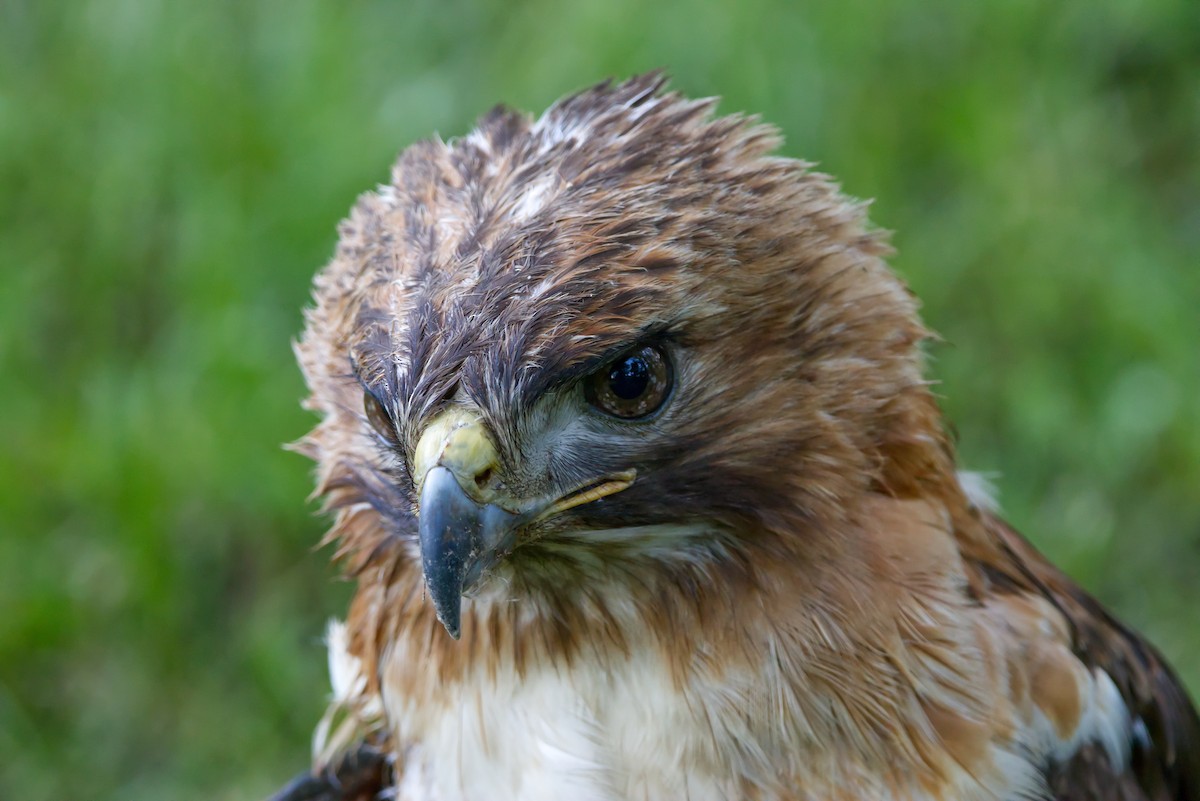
column 632, row 456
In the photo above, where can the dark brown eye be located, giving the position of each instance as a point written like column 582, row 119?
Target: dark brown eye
column 633, row 385
column 378, row 417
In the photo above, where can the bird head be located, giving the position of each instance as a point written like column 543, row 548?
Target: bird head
column 621, row 338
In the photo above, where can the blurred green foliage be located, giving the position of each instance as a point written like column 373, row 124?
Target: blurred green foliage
column 171, row 175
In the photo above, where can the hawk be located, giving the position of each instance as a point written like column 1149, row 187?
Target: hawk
column 626, row 432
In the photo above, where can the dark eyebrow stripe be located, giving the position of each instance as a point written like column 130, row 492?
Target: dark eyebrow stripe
column 383, row 391
column 658, row 332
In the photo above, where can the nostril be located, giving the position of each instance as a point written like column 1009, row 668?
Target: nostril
column 484, row 478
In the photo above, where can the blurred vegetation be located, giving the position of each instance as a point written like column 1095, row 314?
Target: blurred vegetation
column 171, row 175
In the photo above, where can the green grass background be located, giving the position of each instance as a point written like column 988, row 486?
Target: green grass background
column 171, row 175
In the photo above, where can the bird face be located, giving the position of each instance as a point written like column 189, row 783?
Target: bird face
column 537, row 480
column 621, row 337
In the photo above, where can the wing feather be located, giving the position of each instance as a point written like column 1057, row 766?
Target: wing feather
column 1165, row 742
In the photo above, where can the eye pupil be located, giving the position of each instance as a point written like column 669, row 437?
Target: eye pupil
column 629, row 378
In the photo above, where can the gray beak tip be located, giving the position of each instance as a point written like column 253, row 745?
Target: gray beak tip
column 447, row 603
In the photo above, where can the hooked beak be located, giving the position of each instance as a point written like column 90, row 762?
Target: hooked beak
column 461, row 534
column 459, row 540
column 466, row 521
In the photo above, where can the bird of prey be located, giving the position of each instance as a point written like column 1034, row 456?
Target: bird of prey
column 632, row 456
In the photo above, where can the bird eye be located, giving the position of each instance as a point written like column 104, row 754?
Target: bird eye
column 379, row 419
column 633, row 385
